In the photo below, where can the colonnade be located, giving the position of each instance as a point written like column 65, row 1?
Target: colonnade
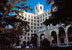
column 62, row 36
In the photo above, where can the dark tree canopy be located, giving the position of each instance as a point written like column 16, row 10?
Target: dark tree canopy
column 62, row 14
column 9, row 36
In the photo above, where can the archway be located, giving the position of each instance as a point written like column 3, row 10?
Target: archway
column 54, row 40
column 42, row 36
column 34, row 40
column 70, row 35
column 24, row 44
column 62, row 36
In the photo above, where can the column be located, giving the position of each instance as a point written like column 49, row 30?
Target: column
column 66, row 38
column 38, row 41
column 57, row 40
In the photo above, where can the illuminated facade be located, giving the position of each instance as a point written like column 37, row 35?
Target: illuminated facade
column 57, row 35
column 35, row 21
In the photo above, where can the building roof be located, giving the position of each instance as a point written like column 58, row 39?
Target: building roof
column 39, row 4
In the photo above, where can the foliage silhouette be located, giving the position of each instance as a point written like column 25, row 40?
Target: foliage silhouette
column 8, row 36
column 62, row 13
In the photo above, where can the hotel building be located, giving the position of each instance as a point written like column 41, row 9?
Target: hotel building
column 35, row 21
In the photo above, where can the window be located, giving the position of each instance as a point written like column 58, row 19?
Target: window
column 36, row 7
column 38, row 24
column 25, row 33
column 21, row 36
column 41, row 7
column 34, row 23
column 37, row 17
column 31, row 30
column 25, row 37
column 28, row 38
column 31, row 26
column 25, row 15
column 45, row 14
column 34, row 31
column 31, row 23
column 34, row 27
column 48, row 12
column 38, row 21
column 41, row 20
column 22, row 17
column 38, row 27
column 31, row 19
column 28, row 19
column 28, row 15
column 41, row 23
column 28, row 34
column 34, row 17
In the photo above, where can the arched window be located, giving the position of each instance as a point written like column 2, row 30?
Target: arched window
column 41, row 7
column 53, row 34
column 61, row 35
column 70, row 34
column 36, row 7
